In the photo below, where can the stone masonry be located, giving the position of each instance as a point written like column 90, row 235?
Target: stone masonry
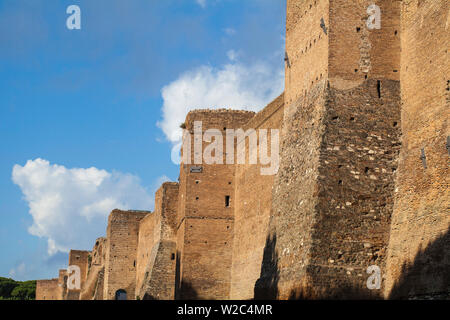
column 363, row 178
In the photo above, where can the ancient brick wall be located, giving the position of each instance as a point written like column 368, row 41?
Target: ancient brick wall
column 121, row 254
column 159, row 279
column 149, row 235
column 333, row 196
column 47, row 290
column 157, row 246
column 306, row 47
column 356, row 52
column 78, row 258
column 95, row 269
column 253, row 194
column 62, row 284
column 419, row 247
column 205, row 217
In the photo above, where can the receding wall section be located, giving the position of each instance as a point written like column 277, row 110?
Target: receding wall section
column 156, row 255
column 253, row 201
column 419, row 247
column 121, row 253
column 205, row 251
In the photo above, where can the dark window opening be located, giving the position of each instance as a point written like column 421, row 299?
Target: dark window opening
column 134, row 263
column 356, row 70
column 227, row 201
column 340, row 182
column 395, row 123
column 172, row 257
column 379, row 88
column 358, row 29
column 335, row 118
column 366, row 170
column 196, row 198
column 352, row 119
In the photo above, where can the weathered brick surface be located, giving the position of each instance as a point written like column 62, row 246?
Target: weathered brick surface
column 333, row 196
column 253, row 193
column 96, row 265
column 157, row 246
column 159, row 279
column 47, row 290
column 122, row 241
column 205, row 252
column 419, row 248
column 359, row 109
column 78, row 258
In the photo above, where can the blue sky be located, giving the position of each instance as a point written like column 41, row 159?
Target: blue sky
column 88, row 117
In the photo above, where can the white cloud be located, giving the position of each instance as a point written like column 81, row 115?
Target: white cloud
column 232, row 55
column 70, row 206
column 18, row 271
column 229, row 31
column 234, row 85
column 201, row 3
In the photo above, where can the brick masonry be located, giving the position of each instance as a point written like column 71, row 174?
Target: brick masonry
column 363, row 177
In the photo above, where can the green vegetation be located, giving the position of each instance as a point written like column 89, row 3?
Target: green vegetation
column 17, row 290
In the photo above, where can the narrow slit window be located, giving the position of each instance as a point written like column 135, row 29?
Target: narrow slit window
column 379, row 88
column 227, row 201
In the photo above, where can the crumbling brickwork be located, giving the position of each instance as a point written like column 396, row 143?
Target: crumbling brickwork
column 122, row 242
column 93, row 287
column 156, row 256
column 333, row 196
column 363, row 176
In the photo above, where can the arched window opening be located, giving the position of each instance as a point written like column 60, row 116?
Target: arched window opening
column 121, row 294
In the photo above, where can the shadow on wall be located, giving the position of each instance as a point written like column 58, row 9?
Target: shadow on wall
column 266, row 287
column 428, row 276
column 345, row 291
column 183, row 289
